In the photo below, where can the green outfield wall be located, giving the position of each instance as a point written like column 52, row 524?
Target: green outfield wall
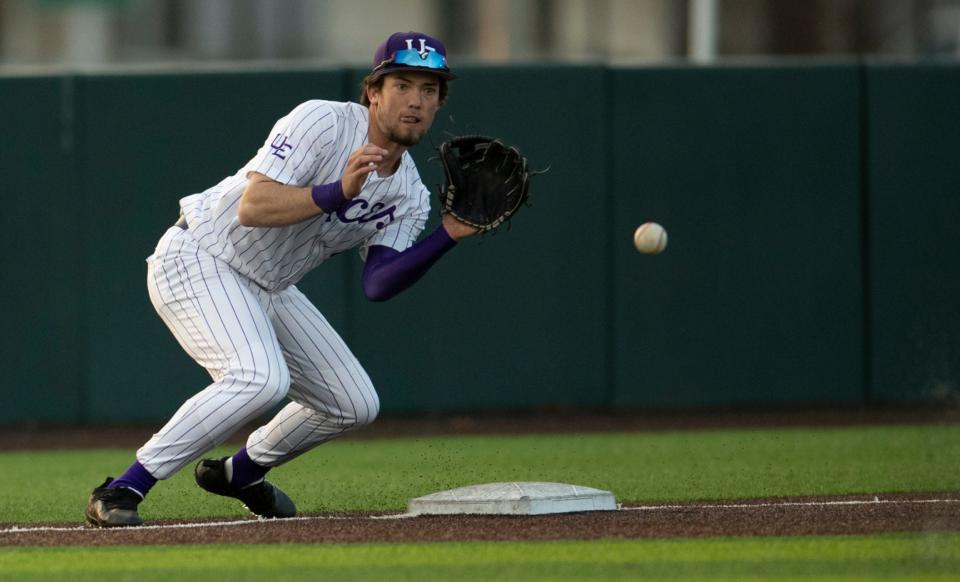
column 43, row 338
column 912, row 123
column 811, row 209
column 759, row 297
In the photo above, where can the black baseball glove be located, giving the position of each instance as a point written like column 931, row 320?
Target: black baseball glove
column 486, row 181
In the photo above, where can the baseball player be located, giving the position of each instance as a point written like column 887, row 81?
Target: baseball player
column 331, row 176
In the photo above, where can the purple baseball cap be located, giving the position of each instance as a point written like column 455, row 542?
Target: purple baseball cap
column 411, row 51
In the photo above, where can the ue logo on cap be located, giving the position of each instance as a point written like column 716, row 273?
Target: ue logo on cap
column 424, row 50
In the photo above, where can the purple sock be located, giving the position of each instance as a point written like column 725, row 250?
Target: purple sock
column 135, row 478
column 245, row 471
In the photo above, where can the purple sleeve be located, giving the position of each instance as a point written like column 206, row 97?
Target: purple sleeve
column 389, row 271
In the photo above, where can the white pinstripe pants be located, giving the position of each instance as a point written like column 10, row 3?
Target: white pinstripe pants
column 259, row 347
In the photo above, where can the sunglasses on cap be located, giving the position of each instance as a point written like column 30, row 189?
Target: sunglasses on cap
column 413, row 58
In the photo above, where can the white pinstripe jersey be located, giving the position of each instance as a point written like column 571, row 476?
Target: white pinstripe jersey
column 309, row 146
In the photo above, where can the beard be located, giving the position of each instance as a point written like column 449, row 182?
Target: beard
column 399, row 134
column 407, row 139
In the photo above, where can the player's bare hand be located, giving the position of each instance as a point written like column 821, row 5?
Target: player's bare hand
column 361, row 163
column 456, row 229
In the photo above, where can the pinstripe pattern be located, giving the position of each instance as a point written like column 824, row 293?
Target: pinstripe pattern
column 227, row 293
column 320, row 136
column 221, row 324
column 316, row 356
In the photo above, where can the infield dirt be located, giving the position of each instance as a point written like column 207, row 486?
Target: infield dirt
column 762, row 517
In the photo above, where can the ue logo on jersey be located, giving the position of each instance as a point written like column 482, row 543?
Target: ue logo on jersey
column 353, row 211
column 280, row 146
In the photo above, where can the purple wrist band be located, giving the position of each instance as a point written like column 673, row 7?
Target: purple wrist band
column 328, row 197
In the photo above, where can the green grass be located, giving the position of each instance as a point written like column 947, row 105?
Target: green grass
column 914, row 557
column 52, row 486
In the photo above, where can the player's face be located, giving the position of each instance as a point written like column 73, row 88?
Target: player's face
column 405, row 106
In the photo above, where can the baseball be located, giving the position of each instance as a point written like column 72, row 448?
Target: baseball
column 650, row 238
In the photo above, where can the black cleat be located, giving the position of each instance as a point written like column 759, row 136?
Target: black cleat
column 113, row 507
column 264, row 498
